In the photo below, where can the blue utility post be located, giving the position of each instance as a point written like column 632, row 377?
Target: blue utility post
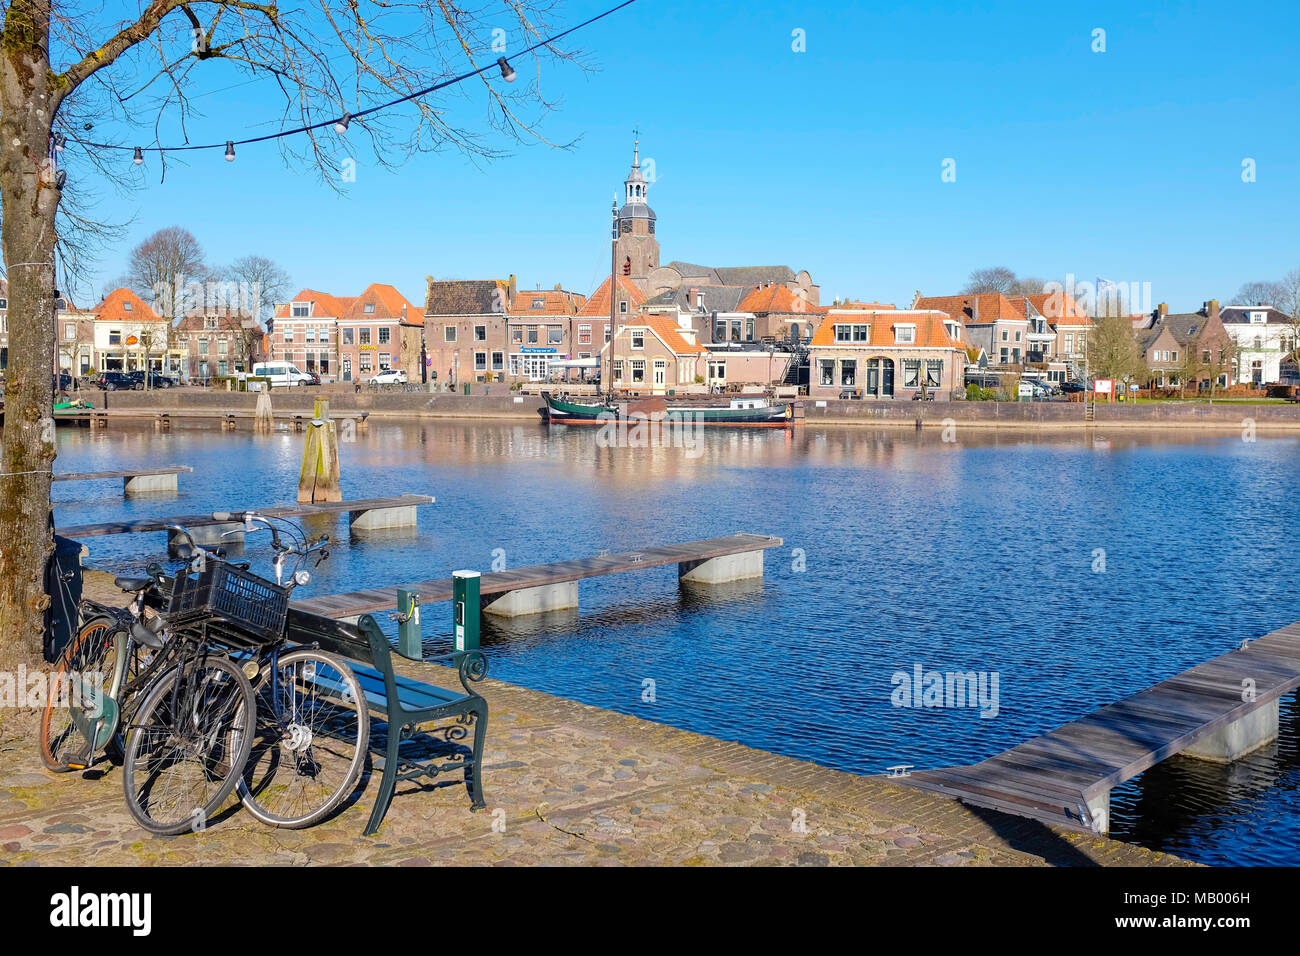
column 466, row 608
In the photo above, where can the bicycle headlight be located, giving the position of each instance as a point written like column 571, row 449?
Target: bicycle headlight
column 301, row 577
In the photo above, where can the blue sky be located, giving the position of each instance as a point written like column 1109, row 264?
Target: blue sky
column 1125, row 164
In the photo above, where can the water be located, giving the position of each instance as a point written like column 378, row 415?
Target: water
column 973, row 556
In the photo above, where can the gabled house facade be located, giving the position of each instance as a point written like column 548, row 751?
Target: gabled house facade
column 887, row 353
column 463, row 317
column 1172, row 337
column 217, row 343
column 991, row 322
column 305, row 332
column 129, row 335
column 1264, row 337
column 651, row 355
column 377, row 331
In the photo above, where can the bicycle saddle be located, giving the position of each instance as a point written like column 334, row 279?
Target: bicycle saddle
column 132, row 584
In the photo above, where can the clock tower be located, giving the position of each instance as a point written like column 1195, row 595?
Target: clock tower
column 638, row 249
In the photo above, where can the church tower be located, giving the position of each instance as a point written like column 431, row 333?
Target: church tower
column 638, row 249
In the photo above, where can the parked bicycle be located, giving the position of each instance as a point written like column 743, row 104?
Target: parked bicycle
column 313, row 725
column 200, row 673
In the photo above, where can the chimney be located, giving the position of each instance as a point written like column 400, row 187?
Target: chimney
column 1162, row 310
column 1211, row 309
column 513, row 291
column 975, row 309
column 693, row 298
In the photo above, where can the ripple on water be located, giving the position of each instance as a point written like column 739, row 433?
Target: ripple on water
column 1079, row 574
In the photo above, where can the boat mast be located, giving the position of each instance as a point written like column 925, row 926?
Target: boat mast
column 613, row 270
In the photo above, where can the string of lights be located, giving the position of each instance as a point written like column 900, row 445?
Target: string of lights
column 340, row 124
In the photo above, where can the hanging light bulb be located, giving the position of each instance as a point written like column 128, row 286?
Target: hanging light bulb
column 138, row 159
column 341, row 126
column 59, row 142
column 230, row 151
column 507, row 71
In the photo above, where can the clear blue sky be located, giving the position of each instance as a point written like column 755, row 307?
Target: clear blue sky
column 1125, row 164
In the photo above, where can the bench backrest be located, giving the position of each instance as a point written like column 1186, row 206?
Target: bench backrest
column 363, row 642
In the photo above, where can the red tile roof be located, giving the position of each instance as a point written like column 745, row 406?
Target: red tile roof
column 554, row 302
column 114, row 308
column 671, row 335
column 930, row 330
column 1060, row 307
column 598, row 305
column 388, row 304
column 981, row 307
column 775, row 297
column 324, row 305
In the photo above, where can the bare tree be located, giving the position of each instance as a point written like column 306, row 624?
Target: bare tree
column 1113, row 350
column 1259, row 293
column 265, row 282
column 115, row 66
column 152, row 337
column 164, row 268
column 994, row 279
column 1028, row 285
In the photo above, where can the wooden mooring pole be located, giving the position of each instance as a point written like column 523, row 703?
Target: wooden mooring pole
column 264, row 417
column 318, row 480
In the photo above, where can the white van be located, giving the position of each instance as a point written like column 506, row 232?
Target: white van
column 281, row 373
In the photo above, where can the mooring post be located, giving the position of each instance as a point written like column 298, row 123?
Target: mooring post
column 319, row 478
column 264, row 417
column 466, row 608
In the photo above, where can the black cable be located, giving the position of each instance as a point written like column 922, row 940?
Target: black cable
column 366, row 112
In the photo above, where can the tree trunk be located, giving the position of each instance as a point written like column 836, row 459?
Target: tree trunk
column 30, row 199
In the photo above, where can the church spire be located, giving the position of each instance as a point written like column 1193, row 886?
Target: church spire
column 635, row 183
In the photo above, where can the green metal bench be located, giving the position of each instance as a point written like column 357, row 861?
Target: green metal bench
column 404, row 703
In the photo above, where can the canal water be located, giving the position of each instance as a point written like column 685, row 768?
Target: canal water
column 1076, row 570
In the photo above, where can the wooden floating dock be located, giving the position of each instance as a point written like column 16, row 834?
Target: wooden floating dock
column 1219, row 711
column 135, row 481
column 366, row 514
column 546, row 587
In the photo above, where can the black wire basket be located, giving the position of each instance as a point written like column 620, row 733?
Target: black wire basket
column 250, row 604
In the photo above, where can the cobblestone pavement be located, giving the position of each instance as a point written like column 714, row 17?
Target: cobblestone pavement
column 565, row 783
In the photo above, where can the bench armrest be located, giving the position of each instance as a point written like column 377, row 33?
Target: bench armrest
column 471, row 666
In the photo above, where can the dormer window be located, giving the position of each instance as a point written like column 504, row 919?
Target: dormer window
column 538, row 304
column 904, row 334
column 369, row 308
column 126, row 306
column 1258, row 316
column 300, row 310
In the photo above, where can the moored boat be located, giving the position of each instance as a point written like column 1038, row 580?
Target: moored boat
column 738, row 411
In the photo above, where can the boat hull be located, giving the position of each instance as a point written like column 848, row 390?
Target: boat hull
column 560, row 412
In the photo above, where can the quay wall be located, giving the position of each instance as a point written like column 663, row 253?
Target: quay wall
column 508, row 406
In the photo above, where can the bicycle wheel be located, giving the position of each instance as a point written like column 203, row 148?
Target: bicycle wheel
column 90, row 658
column 310, row 740
column 187, row 745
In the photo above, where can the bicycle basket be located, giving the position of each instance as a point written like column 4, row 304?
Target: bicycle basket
column 239, row 598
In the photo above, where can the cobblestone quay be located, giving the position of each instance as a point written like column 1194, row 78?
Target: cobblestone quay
column 566, row 784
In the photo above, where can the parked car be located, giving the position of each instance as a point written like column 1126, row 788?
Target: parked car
column 155, row 380
column 1069, row 388
column 282, row 374
column 389, row 376
column 113, row 381
column 63, row 382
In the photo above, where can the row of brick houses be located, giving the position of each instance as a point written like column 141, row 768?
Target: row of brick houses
column 123, row 333
column 348, row 338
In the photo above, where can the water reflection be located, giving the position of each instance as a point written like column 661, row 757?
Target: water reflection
column 1081, row 567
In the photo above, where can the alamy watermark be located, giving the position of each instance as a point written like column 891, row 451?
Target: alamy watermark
column 945, row 690
column 682, row 430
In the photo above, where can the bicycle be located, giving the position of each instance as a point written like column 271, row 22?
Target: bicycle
column 188, row 742
column 112, row 656
column 312, row 729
